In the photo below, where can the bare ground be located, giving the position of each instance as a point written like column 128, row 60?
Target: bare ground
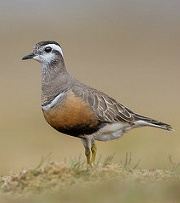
column 105, row 182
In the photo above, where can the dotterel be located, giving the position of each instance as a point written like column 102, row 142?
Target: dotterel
column 76, row 109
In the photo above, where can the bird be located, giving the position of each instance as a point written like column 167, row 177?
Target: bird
column 75, row 109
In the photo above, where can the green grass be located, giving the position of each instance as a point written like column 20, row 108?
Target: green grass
column 104, row 182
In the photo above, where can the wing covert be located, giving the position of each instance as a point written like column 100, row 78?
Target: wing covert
column 105, row 107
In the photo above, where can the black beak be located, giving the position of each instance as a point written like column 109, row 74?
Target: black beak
column 30, row 56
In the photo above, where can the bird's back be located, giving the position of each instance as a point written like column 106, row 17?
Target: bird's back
column 108, row 110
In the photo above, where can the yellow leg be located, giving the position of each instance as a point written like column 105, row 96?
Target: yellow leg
column 94, row 151
column 88, row 155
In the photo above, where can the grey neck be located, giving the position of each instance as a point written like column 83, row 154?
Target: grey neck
column 55, row 80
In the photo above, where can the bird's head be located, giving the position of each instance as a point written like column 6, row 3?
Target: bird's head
column 46, row 52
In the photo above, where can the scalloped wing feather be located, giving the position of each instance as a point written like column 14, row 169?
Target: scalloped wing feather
column 105, row 107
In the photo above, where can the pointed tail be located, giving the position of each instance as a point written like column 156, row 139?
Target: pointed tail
column 145, row 121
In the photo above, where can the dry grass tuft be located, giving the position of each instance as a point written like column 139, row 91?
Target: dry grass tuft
column 74, row 182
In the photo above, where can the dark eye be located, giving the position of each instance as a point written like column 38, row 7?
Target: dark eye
column 48, row 49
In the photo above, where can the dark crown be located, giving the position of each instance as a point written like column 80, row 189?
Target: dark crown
column 43, row 43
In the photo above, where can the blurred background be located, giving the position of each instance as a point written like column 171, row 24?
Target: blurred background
column 128, row 49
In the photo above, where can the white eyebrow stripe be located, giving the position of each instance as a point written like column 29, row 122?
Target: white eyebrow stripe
column 53, row 102
column 55, row 47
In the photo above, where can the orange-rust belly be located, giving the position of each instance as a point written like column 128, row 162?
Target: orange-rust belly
column 72, row 117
